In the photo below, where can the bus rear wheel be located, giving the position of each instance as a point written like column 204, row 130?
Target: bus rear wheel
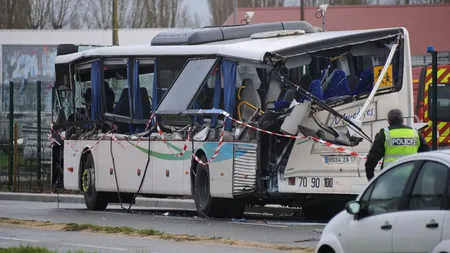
column 210, row 207
column 94, row 200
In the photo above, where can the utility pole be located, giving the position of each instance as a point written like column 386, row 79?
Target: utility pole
column 434, row 119
column 235, row 4
column 302, row 10
column 115, row 24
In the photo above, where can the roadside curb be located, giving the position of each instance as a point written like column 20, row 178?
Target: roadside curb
column 78, row 199
column 182, row 204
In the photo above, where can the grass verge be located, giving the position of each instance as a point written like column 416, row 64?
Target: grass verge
column 146, row 233
column 32, row 249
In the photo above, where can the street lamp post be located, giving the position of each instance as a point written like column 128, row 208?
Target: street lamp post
column 302, row 10
column 320, row 13
column 434, row 119
column 115, row 24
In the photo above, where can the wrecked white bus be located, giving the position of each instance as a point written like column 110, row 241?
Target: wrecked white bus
column 275, row 113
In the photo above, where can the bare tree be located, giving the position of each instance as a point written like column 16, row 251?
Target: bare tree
column 14, row 14
column 39, row 14
column 62, row 12
column 261, row 3
column 188, row 20
column 100, row 13
column 157, row 13
column 220, row 10
column 138, row 14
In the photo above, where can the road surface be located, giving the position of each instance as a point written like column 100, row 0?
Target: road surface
column 65, row 241
column 287, row 232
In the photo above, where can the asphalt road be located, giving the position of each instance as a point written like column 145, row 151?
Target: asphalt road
column 278, row 231
column 65, row 241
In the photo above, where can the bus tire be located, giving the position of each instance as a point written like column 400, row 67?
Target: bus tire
column 207, row 206
column 95, row 201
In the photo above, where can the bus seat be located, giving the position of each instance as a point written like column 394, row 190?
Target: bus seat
column 123, row 109
column 273, row 91
column 352, row 82
column 365, row 82
column 322, row 73
column 285, row 100
column 336, row 85
column 305, row 81
column 315, row 89
column 249, row 100
column 110, row 97
column 87, row 95
column 146, row 107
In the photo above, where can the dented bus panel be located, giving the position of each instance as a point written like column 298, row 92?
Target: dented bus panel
column 256, row 114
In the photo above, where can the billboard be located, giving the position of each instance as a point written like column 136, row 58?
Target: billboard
column 25, row 65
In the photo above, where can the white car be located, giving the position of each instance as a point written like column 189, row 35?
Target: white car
column 405, row 208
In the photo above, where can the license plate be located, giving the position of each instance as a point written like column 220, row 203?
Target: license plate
column 315, row 182
column 344, row 159
column 443, row 147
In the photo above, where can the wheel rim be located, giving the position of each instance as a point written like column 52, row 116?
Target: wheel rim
column 87, row 179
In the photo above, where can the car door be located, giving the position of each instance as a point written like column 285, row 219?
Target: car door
column 419, row 227
column 371, row 230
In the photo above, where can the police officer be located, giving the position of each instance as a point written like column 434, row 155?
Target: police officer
column 393, row 143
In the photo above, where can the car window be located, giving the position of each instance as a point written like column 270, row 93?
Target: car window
column 388, row 189
column 364, row 201
column 429, row 188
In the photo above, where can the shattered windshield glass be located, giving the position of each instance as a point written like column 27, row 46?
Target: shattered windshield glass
column 186, row 86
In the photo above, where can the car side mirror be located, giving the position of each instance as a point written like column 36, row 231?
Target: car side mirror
column 353, row 207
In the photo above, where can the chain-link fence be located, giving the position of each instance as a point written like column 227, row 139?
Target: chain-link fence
column 25, row 152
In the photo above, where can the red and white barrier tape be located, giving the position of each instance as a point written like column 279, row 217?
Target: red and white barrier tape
column 227, row 115
column 323, row 142
column 216, row 152
column 160, row 132
column 113, row 137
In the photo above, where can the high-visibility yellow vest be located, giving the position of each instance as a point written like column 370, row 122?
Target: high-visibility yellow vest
column 398, row 143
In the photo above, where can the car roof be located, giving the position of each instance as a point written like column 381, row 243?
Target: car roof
column 443, row 154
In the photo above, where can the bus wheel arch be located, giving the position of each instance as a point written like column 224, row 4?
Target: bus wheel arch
column 93, row 199
column 325, row 249
column 206, row 205
column 194, row 164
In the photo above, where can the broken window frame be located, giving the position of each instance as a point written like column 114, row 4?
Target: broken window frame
column 398, row 57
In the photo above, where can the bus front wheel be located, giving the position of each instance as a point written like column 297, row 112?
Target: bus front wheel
column 210, row 207
column 94, row 200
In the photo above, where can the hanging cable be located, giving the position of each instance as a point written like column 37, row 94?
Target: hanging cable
column 114, row 167
column 145, row 170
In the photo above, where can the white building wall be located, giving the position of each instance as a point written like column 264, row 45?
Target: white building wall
column 92, row 37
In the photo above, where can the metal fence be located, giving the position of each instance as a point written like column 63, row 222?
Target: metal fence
column 25, row 153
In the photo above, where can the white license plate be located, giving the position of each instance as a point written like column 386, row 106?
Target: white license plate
column 315, row 182
column 443, row 147
column 343, row 159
